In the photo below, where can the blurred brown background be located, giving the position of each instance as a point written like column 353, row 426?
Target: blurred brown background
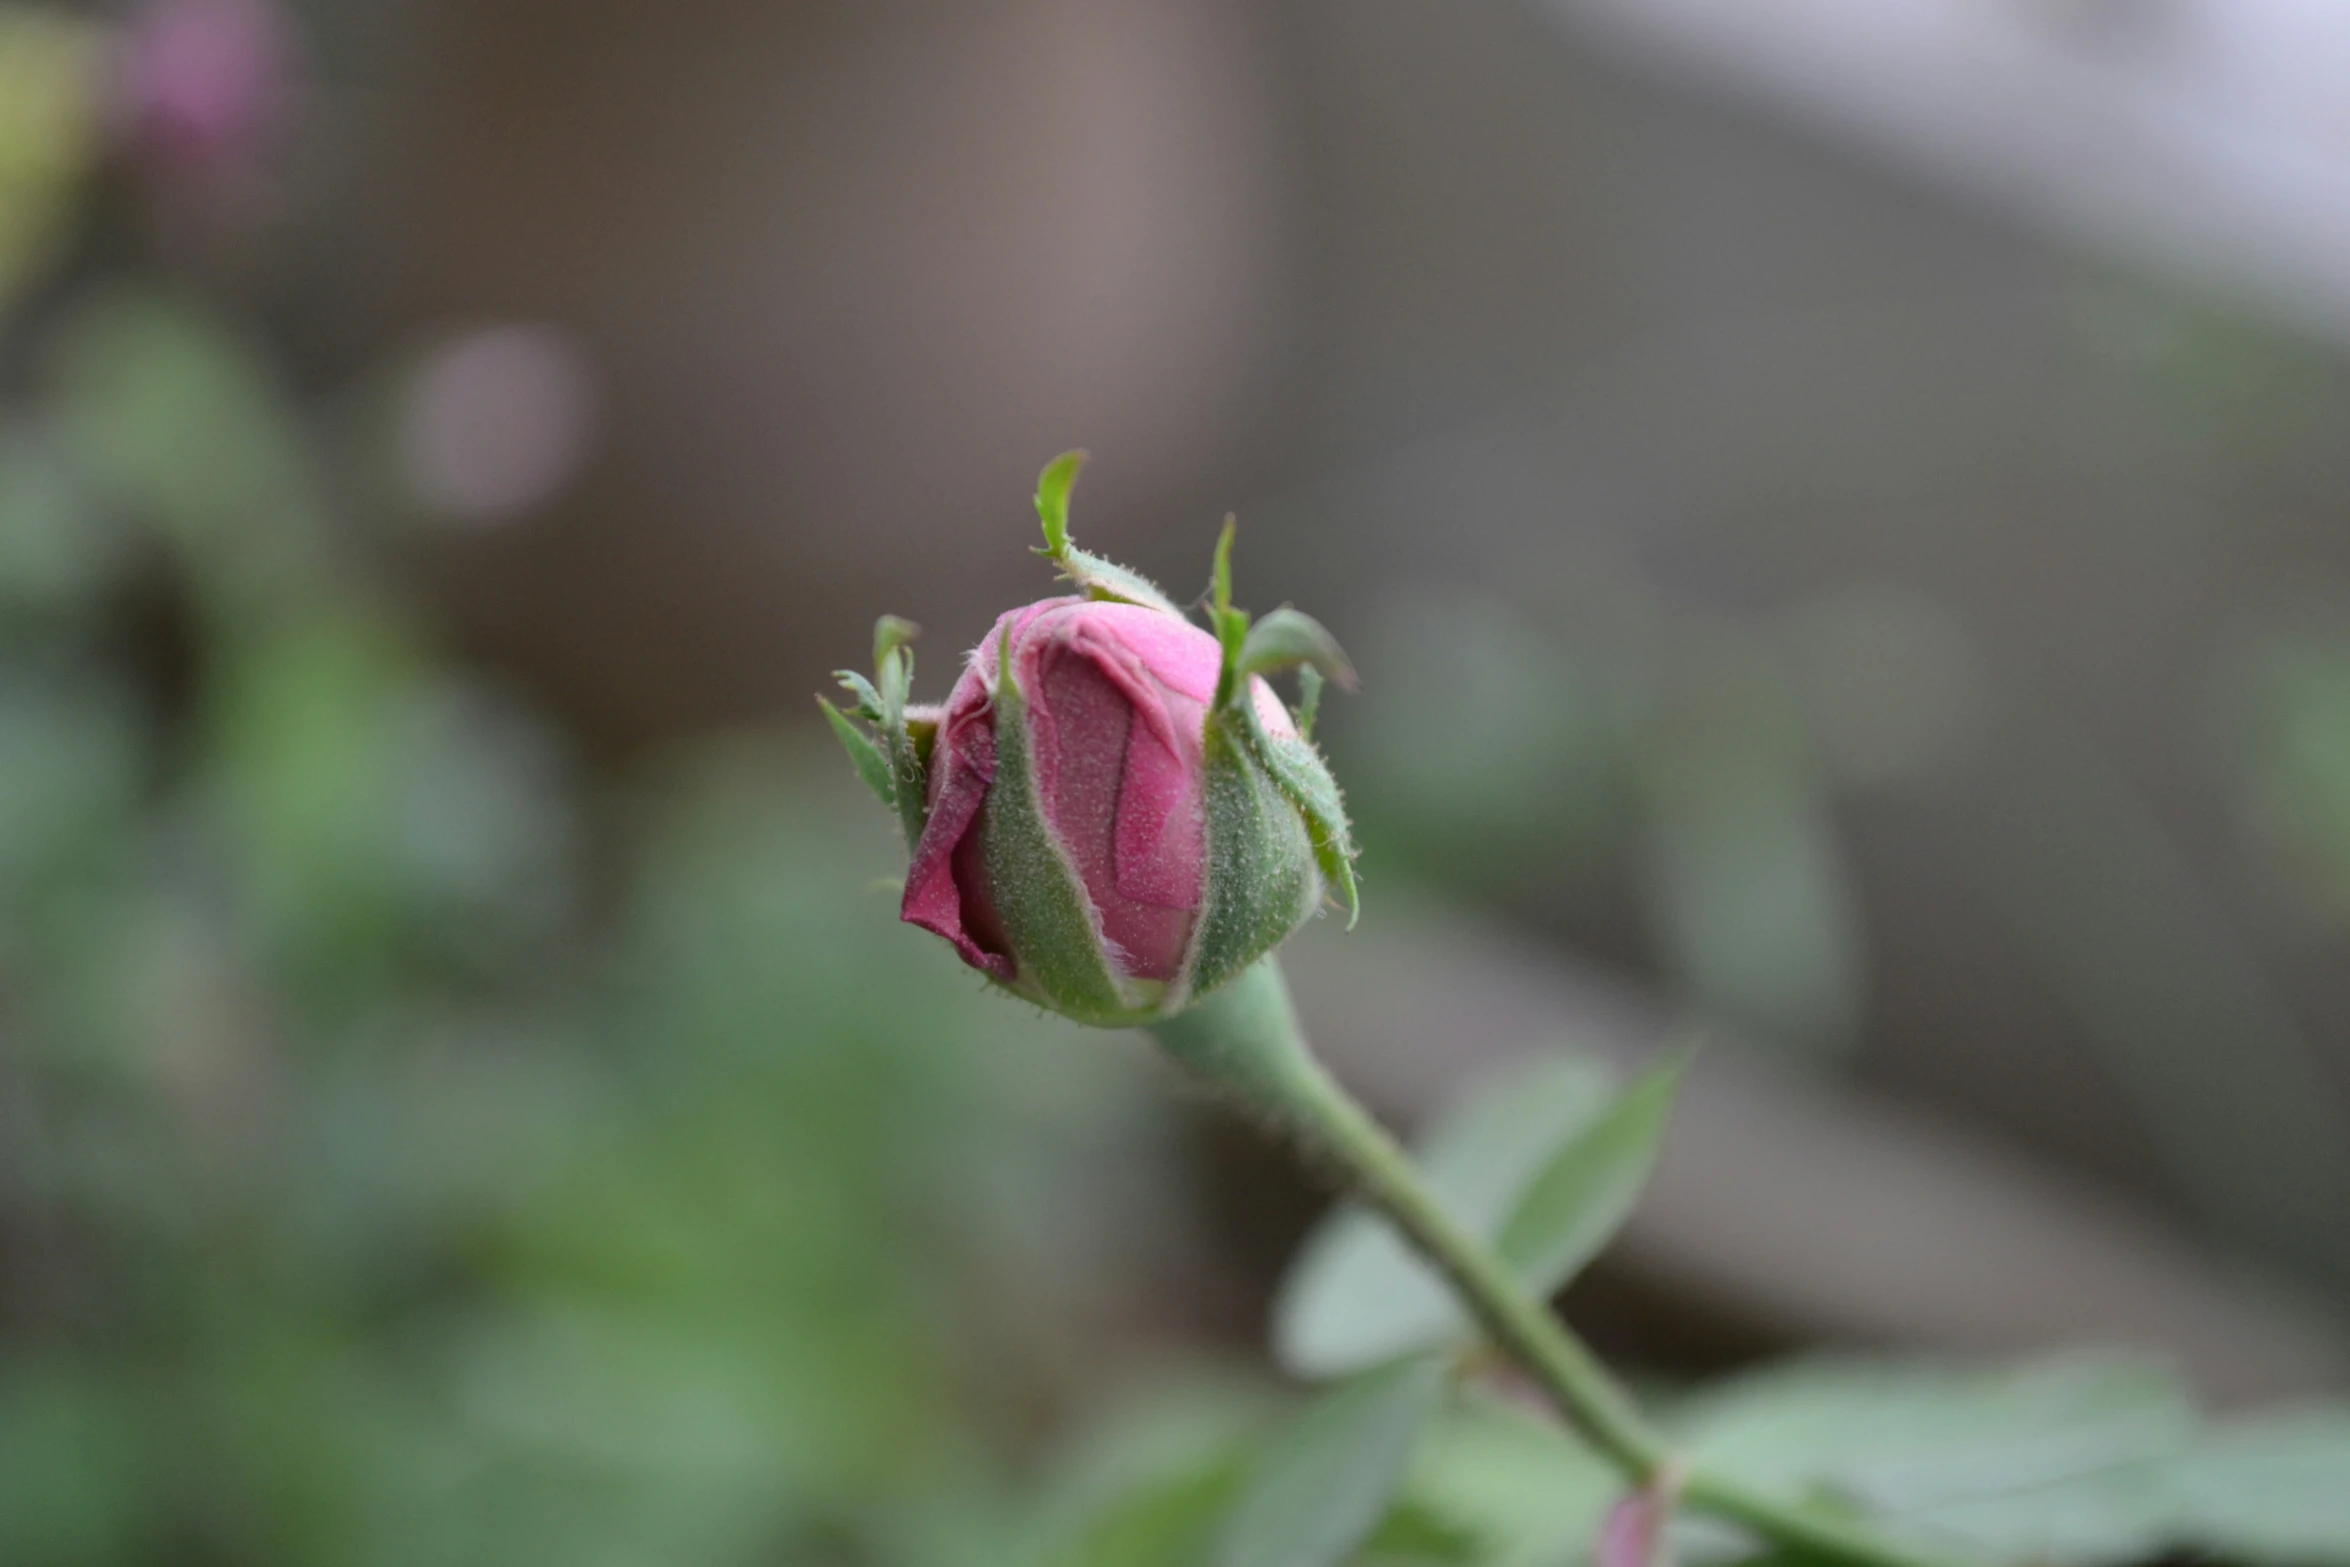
column 1458, row 307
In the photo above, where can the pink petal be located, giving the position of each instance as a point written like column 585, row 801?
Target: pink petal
column 1084, row 730
column 944, row 890
column 1161, row 837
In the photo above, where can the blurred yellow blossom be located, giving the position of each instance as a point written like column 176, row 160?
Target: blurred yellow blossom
column 51, row 85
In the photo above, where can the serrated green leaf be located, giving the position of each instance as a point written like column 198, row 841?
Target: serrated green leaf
column 2272, row 1488
column 2062, row 1462
column 1897, row 1435
column 1324, row 1482
column 872, row 766
column 1287, row 638
column 1581, row 1197
column 2110, row 1518
column 1357, row 1295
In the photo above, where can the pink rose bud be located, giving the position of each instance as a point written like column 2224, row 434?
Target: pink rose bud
column 1104, row 823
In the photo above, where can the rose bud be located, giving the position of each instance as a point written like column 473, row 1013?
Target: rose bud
column 1113, row 814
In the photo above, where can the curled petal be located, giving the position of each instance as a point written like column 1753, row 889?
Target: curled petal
column 937, row 898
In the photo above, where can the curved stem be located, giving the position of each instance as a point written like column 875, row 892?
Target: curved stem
column 1245, row 1039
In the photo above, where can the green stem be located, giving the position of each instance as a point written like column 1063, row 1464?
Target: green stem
column 1245, row 1039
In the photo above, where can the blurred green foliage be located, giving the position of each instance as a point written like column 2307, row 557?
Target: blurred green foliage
column 1615, row 744
column 416, row 1149
column 1698, row 791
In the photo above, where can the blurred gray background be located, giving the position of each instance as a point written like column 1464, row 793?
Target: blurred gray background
column 1785, row 573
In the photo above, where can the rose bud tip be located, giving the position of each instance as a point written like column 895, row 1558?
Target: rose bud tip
column 1112, row 814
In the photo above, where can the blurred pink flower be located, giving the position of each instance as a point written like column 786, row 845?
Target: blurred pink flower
column 495, row 422
column 205, row 84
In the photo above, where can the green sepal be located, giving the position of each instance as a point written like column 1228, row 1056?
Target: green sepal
column 890, row 633
column 896, row 680
column 1229, row 625
column 1261, row 881
column 872, row 766
column 1309, row 701
column 869, row 704
column 1283, row 638
column 1288, row 638
column 894, row 664
column 922, row 731
column 1060, row 959
column 902, row 756
column 1306, row 779
column 1095, row 577
column 1052, row 500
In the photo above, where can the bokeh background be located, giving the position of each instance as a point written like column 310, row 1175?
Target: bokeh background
column 1844, row 520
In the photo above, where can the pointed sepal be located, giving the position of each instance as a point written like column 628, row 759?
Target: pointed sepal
column 1229, row 625
column 1095, row 577
column 894, row 759
column 872, row 766
column 890, row 633
column 1285, row 639
column 1262, row 881
column 1298, row 767
column 869, row 704
column 1288, row 639
column 1309, row 701
column 1038, row 895
column 893, row 664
